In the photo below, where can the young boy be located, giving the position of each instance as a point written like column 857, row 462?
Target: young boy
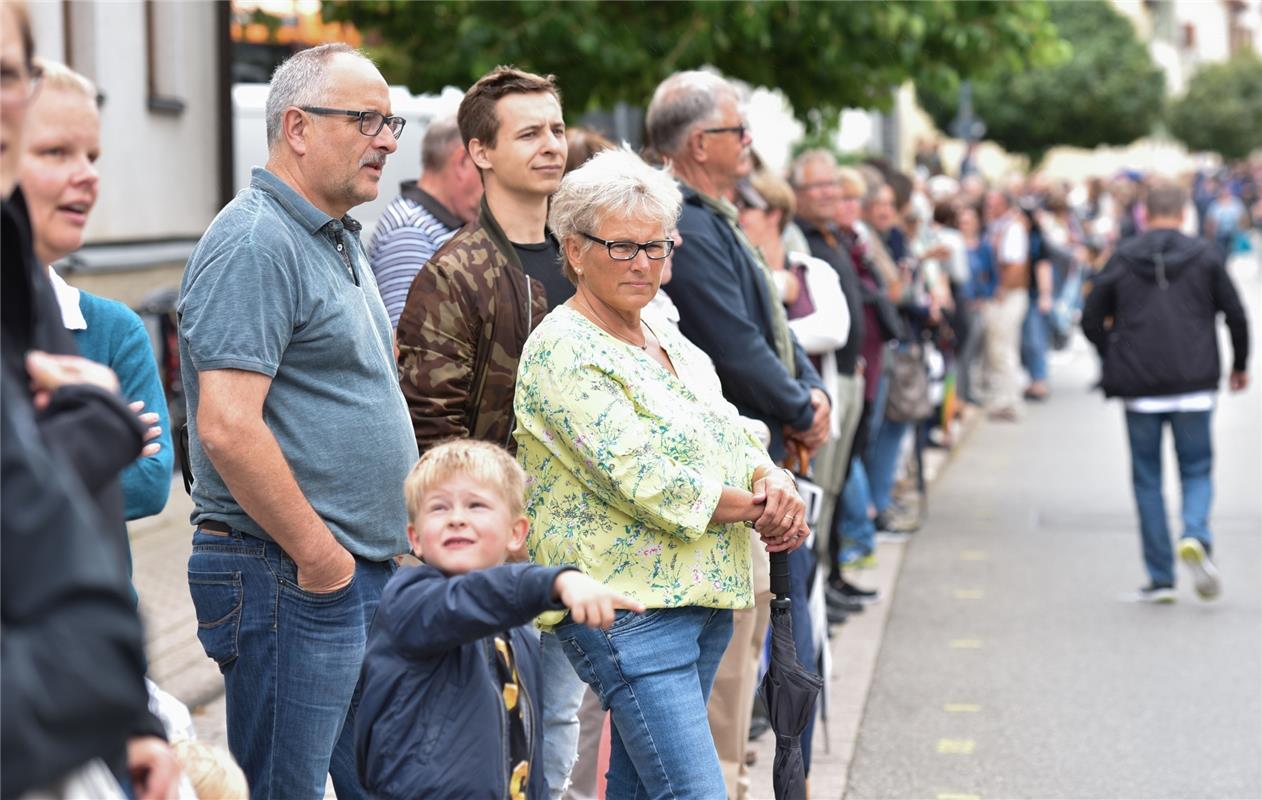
column 451, row 683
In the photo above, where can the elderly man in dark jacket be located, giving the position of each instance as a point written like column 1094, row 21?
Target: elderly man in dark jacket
column 730, row 308
column 1163, row 292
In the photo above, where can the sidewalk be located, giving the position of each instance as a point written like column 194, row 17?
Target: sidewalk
column 160, row 549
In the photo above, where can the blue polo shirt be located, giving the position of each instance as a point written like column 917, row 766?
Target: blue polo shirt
column 278, row 287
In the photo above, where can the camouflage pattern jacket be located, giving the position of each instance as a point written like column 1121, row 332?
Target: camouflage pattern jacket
column 467, row 316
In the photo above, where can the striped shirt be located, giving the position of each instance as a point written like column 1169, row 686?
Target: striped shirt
column 410, row 231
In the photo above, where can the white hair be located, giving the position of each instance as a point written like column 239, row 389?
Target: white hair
column 613, row 184
column 816, row 156
column 301, row 80
column 682, row 101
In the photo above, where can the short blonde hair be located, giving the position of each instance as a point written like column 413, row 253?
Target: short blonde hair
column 851, row 179
column 211, row 770
column 59, row 77
column 487, row 464
column 778, row 194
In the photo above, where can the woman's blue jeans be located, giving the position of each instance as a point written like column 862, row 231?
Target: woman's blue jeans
column 858, row 530
column 884, row 448
column 654, row 671
column 1194, row 446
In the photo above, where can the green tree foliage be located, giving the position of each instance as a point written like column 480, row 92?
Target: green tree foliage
column 824, row 56
column 1222, row 109
column 1108, row 92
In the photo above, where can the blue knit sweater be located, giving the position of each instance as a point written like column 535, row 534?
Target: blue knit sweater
column 117, row 338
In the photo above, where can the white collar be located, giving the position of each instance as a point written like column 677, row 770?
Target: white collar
column 68, row 298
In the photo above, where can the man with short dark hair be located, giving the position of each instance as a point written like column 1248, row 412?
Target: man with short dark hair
column 426, row 213
column 296, row 425
column 1163, row 292
column 471, row 308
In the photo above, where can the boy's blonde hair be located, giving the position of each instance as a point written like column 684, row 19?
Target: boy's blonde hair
column 213, row 773
column 486, row 463
column 59, row 77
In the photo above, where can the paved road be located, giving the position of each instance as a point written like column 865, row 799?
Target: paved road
column 1009, row 667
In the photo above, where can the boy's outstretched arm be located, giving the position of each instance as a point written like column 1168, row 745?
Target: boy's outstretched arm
column 591, row 603
column 428, row 613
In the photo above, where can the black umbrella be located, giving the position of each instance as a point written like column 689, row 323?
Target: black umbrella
column 788, row 690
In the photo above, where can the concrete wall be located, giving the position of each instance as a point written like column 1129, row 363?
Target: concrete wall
column 159, row 169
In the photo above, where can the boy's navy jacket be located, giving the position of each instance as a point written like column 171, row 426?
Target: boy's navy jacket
column 432, row 721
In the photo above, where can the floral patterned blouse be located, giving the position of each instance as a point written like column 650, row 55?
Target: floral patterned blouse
column 626, row 465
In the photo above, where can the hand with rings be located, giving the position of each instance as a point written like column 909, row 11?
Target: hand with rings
column 782, row 525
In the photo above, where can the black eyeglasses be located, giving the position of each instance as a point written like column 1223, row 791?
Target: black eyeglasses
column 370, row 122
column 626, row 251
column 739, row 130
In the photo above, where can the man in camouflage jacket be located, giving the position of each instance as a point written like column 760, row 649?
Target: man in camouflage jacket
column 461, row 334
column 470, row 309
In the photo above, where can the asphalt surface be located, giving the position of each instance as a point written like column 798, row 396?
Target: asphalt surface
column 1010, row 668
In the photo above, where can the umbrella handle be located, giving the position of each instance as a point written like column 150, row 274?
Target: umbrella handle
column 780, row 576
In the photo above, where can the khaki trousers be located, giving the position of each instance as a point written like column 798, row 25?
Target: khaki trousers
column 1004, row 317
column 829, row 465
column 732, row 699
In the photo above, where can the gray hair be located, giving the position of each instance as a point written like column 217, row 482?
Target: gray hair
column 680, row 102
column 807, row 157
column 440, row 137
column 1165, row 199
column 301, row 80
column 613, row 184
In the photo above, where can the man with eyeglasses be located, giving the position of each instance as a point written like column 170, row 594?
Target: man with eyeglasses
column 470, row 309
column 730, row 308
column 297, row 428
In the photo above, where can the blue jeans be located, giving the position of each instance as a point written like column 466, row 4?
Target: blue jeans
column 562, row 696
column 1194, row 447
column 887, row 446
column 1035, row 338
column 290, row 661
column 654, row 671
column 858, row 529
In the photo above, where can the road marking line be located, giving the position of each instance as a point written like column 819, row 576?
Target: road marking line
column 961, row 708
column 969, row 594
column 966, row 644
column 957, row 796
column 956, row 747
column 973, row 555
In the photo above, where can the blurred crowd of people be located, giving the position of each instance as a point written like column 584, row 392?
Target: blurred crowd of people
column 656, row 337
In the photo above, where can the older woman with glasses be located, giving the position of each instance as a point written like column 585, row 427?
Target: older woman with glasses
column 641, row 481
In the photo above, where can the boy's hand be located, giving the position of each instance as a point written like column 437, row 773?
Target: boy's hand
column 591, row 603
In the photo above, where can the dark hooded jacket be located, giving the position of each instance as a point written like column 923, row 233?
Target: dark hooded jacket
column 1163, row 292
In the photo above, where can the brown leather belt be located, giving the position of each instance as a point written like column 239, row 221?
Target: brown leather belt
column 214, row 526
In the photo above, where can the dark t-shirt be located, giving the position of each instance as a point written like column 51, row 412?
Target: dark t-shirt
column 542, row 261
column 827, row 248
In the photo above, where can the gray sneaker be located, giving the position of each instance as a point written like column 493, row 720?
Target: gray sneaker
column 1204, row 573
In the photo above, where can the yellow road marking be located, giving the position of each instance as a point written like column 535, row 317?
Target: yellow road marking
column 973, row 555
column 969, row 594
column 956, row 747
column 961, row 708
column 966, row 644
